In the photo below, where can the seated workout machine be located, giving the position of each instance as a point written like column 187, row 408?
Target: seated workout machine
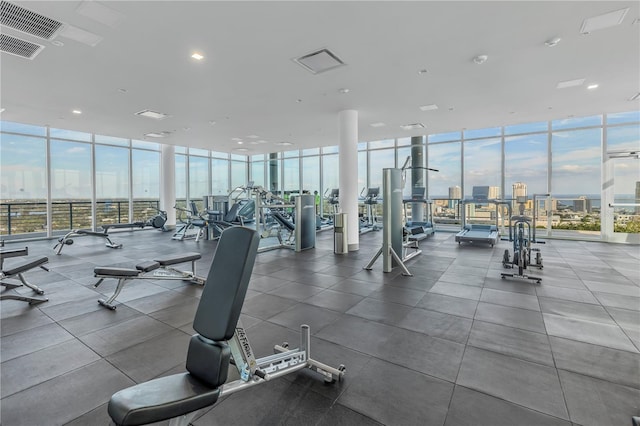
column 421, row 224
column 162, row 270
column 369, row 222
column 221, row 340
column 521, row 247
column 193, row 227
column 15, row 273
column 478, row 233
column 157, row 222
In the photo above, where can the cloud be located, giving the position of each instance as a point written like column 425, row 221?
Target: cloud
column 76, row 150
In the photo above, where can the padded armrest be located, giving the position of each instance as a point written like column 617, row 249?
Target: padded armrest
column 160, row 399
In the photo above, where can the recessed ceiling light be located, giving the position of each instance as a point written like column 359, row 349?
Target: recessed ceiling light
column 155, row 135
column 635, row 97
column 592, row 86
column 262, row 141
column 253, row 136
column 552, row 42
column 422, row 71
column 378, row 124
column 413, row 126
column 601, row 22
column 57, row 43
column 240, row 142
column 480, row 59
column 212, row 123
column 344, row 91
column 122, row 90
column 1, row 110
column 197, row 56
column 241, row 149
column 236, row 139
column 152, row 114
column 428, row 107
column 77, row 111
column 284, row 143
column 570, row 83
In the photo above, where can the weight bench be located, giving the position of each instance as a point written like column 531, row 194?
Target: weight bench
column 16, row 273
column 220, row 338
column 163, row 271
column 68, row 240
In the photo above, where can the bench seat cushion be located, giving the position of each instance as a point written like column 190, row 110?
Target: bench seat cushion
column 25, row 266
column 116, row 272
column 147, row 265
column 178, row 258
column 161, row 399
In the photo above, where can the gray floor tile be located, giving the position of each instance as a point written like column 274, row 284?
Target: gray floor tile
column 356, row 333
column 471, row 408
column 607, row 287
column 339, row 415
column 594, row 402
column 387, row 394
column 597, row 361
column 266, row 306
column 398, row 295
column 296, row 291
column 356, row 287
column 588, row 332
column 376, row 310
column 65, row 397
column 30, row 319
column 266, row 284
column 34, row 339
column 334, row 300
column 511, row 317
column 575, row 310
column 158, row 301
column 508, row 298
column 437, row 324
column 315, row 317
column 456, row 290
column 498, row 283
column 466, row 279
column 617, row 301
column 97, row 416
column 449, row 305
column 582, row 296
column 98, row 320
column 522, row 344
column 504, row 377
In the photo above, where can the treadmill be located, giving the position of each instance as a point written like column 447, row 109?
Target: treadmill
column 478, row 233
column 418, row 230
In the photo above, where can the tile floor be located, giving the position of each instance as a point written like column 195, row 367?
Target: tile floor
column 452, row 345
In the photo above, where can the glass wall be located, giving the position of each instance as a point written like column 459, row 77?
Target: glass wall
column 112, row 184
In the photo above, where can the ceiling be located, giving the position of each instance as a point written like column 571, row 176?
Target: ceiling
column 248, row 87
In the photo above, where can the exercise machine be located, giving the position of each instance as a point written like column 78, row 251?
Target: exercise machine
column 478, row 233
column 421, row 224
column 369, row 222
column 158, row 269
column 522, row 249
column 220, row 341
column 158, row 221
column 15, row 273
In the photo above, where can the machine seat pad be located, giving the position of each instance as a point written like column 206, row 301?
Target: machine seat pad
column 116, row 272
column 199, row 223
column 178, row 258
column 147, row 265
column 161, row 399
column 25, row 266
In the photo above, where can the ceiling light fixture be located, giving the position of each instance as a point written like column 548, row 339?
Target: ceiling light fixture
column 152, row 114
column 601, row 22
column 77, row 111
column 422, row 71
column 122, row 91
column 253, row 136
column 212, row 123
column 344, row 91
column 284, row 143
column 378, row 124
column 1, row 110
column 197, row 56
column 240, row 142
column 155, row 135
column 592, row 86
column 480, row 59
column 635, row 97
column 552, row 42
column 429, row 107
column 57, row 43
column 241, row 149
column 570, row 83
column 413, row 126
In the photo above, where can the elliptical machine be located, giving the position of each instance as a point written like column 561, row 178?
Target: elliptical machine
column 521, row 247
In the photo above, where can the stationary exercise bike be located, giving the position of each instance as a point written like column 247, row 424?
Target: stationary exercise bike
column 522, row 250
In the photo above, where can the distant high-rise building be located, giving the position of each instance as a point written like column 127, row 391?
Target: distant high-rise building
column 582, row 204
column 518, row 189
column 637, row 197
column 494, row 192
column 455, row 193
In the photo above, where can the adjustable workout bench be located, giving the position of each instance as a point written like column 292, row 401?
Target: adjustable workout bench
column 220, row 338
column 67, row 238
column 16, row 272
column 161, row 266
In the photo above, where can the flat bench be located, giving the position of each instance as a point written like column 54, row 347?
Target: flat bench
column 162, row 265
column 16, row 272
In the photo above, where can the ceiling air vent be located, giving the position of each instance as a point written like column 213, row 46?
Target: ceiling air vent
column 18, row 47
column 28, row 22
column 413, row 126
column 319, row 61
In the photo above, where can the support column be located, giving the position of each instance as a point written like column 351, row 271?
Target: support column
column 348, row 170
column 168, row 184
column 417, row 176
column 273, row 173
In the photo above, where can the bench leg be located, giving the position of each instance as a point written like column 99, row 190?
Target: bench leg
column 109, row 302
column 12, row 295
column 28, row 284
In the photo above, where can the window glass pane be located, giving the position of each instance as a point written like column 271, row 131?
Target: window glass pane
column 9, row 126
column 313, row 151
column 257, row 173
column 404, row 141
column 362, row 169
column 525, row 162
column 482, row 166
column 258, row 157
column 71, row 176
column 330, row 150
column 216, row 154
column 181, row 178
column 445, row 184
column 623, row 138
column 575, row 181
column 481, row 133
column 291, row 170
column 379, row 160
column 289, row 154
column 219, row 176
column 145, row 145
column 571, row 123
column 626, row 177
column 330, row 179
column 23, row 184
column 387, row 143
column 110, row 140
column 198, row 178
column 180, row 150
column 239, row 157
column 69, row 134
column 199, row 152
column 112, row 184
column 516, row 129
column 623, row 117
column 238, row 173
column 445, row 137
column 146, row 175
column 403, row 153
column 362, row 146
column 311, row 174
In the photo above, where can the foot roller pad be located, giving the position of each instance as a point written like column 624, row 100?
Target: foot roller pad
column 180, row 258
column 160, row 399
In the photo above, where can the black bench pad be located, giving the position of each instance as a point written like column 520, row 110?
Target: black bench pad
column 147, row 265
column 179, row 258
column 116, row 272
column 25, row 266
column 161, row 399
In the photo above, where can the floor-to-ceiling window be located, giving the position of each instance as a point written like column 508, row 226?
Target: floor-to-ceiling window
column 238, row 170
column 145, row 179
column 330, row 177
column 112, row 181
column 257, row 171
column 445, row 184
column 220, row 173
column 198, row 177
